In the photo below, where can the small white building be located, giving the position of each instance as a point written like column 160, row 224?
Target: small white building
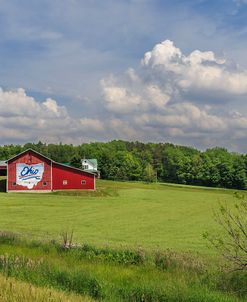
column 90, row 165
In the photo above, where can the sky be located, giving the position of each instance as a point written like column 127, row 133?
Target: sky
column 76, row 71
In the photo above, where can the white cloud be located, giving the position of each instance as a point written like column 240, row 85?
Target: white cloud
column 198, row 70
column 152, row 99
column 145, row 103
column 133, row 94
column 89, row 124
column 119, row 99
column 22, row 118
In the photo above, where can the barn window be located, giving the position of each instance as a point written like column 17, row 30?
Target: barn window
column 65, row 182
column 85, row 167
column 44, row 183
column 83, row 182
column 14, row 184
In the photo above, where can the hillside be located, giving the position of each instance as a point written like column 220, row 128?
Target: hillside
column 132, row 242
column 118, row 213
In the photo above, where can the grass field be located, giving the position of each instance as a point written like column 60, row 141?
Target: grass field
column 115, row 221
column 130, row 214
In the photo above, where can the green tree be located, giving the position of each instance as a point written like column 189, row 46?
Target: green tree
column 76, row 161
column 149, row 174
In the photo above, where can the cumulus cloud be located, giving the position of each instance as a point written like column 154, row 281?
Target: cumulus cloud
column 22, row 118
column 163, row 99
column 199, row 70
column 158, row 98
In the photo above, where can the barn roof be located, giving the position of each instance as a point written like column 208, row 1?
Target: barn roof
column 70, row 167
column 51, row 160
column 28, row 150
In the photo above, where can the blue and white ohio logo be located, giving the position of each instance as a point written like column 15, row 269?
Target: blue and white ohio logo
column 29, row 175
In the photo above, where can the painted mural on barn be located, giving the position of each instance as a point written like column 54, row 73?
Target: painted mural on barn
column 29, row 175
column 31, row 171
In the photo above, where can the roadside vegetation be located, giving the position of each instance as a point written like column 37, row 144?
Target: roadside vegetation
column 119, row 275
column 12, row 290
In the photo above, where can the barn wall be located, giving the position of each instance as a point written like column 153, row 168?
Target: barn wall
column 29, row 158
column 66, row 178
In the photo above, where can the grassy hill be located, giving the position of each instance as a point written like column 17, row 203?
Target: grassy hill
column 139, row 242
column 130, row 214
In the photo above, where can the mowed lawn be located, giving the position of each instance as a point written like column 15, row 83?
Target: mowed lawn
column 119, row 214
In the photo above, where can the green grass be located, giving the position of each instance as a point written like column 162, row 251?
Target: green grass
column 117, row 219
column 99, row 273
column 119, row 214
column 12, row 290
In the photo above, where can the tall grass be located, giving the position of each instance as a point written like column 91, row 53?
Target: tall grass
column 119, row 275
column 42, row 274
column 12, row 290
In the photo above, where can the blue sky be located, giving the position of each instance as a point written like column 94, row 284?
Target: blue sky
column 80, row 66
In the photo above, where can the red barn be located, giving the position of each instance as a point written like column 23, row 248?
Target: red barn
column 32, row 171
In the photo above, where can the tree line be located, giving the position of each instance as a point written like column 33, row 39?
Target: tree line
column 164, row 162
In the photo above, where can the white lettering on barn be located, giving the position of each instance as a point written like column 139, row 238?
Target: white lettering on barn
column 29, row 175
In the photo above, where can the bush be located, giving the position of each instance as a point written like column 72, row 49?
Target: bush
column 166, row 260
column 235, row 282
column 126, row 257
column 142, row 294
column 7, row 237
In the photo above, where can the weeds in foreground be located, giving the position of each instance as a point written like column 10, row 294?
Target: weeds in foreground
column 40, row 273
column 12, row 290
column 120, row 275
column 169, row 259
column 67, row 238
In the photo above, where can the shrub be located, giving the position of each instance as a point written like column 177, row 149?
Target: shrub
column 143, row 294
column 67, row 238
column 235, row 282
column 165, row 260
column 126, row 257
column 8, row 237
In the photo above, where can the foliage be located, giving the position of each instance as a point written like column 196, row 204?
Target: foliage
column 234, row 282
column 122, row 160
column 184, row 279
column 17, row 291
column 231, row 242
column 67, row 238
column 40, row 273
column 149, row 174
column 124, row 256
column 169, row 259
